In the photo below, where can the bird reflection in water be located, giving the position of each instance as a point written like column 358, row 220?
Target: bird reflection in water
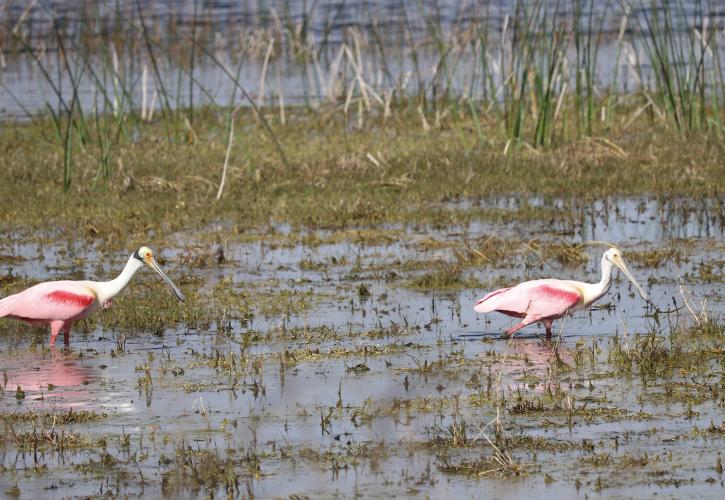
column 536, row 364
column 56, row 377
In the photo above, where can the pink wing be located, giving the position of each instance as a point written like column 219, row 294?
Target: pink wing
column 49, row 301
column 539, row 298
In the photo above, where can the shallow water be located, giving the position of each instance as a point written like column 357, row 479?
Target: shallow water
column 346, row 394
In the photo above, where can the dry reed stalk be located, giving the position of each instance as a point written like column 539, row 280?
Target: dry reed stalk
column 386, row 106
column 280, row 95
column 263, row 77
column 560, row 101
column 424, row 122
column 23, row 15
column 228, row 153
column 192, row 133
column 366, row 90
column 152, row 106
column 360, row 114
column 357, row 63
column 144, row 91
column 309, row 73
column 348, row 96
column 318, row 71
column 358, row 77
column 333, row 81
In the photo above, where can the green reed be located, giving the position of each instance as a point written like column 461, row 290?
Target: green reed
column 532, row 81
column 685, row 63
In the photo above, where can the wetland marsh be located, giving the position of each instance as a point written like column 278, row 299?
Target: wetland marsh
column 328, row 345
column 319, row 362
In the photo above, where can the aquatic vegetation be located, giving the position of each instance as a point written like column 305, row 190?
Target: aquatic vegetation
column 446, row 276
column 51, row 440
column 496, row 464
column 441, row 391
column 60, row 418
column 193, row 470
column 325, row 197
column 328, row 345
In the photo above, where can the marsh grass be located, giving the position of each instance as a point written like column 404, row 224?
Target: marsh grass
column 50, row 440
column 496, row 464
column 321, row 188
column 60, row 418
column 445, row 277
column 497, row 461
column 194, row 470
column 690, row 346
column 532, row 84
column 362, row 155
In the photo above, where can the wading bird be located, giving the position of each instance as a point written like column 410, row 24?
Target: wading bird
column 548, row 299
column 62, row 303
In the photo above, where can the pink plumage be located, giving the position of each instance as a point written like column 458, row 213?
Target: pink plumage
column 62, row 303
column 548, row 299
column 539, row 300
column 57, row 303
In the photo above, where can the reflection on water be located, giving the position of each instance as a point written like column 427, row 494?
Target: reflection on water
column 409, row 357
column 55, row 379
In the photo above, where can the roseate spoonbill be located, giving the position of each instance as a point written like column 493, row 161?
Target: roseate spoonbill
column 62, row 303
column 548, row 299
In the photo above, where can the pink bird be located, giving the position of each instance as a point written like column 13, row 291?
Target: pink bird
column 548, row 299
column 62, row 303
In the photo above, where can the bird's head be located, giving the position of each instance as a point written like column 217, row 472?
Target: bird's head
column 146, row 257
column 614, row 257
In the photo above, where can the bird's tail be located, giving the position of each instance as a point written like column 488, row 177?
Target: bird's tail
column 6, row 305
column 486, row 304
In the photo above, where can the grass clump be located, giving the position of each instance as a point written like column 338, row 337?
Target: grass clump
column 205, row 470
column 50, row 440
column 484, row 466
column 687, row 348
column 445, row 277
column 61, row 418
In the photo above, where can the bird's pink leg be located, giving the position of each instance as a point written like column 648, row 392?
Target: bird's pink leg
column 66, row 333
column 526, row 321
column 55, row 327
column 510, row 332
column 547, row 325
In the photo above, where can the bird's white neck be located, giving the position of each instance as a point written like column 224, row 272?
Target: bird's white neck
column 593, row 291
column 109, row 289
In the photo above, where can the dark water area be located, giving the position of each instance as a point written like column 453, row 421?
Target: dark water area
column 291, row 53
column 330, row 19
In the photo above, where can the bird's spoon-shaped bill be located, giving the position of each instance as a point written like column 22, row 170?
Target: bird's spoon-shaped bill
column 623, row 267
column 153, row 265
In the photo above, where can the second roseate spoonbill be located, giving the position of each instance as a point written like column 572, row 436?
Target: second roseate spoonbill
column 548, row 299
column 62, row 303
